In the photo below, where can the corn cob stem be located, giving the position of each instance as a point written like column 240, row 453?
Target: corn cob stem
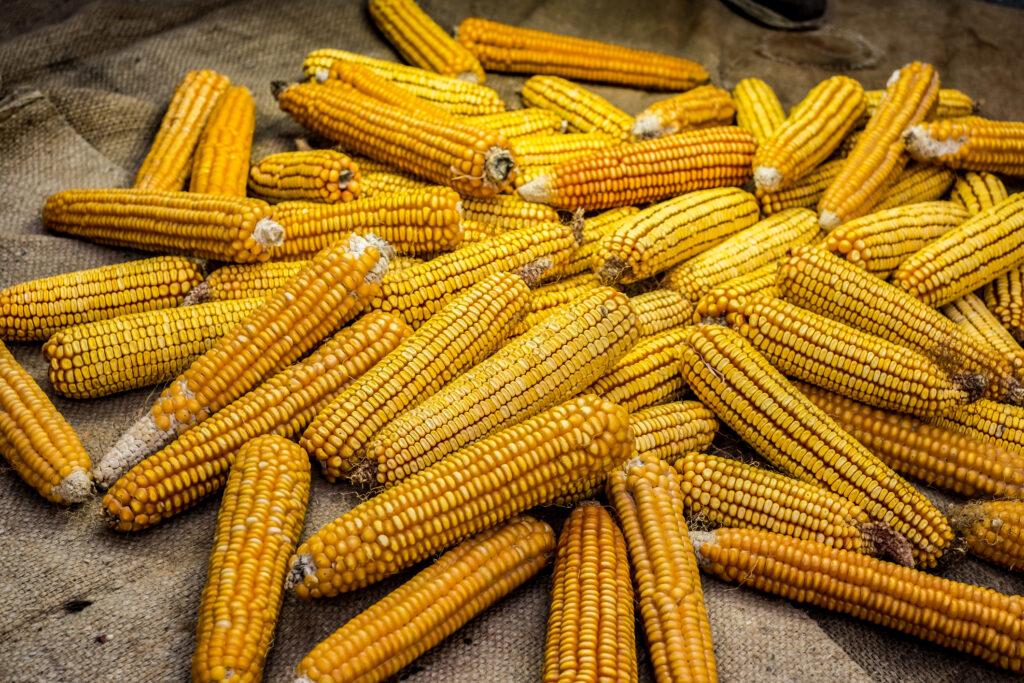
column 757, row 108
column 994, row 530
column 221, row 163
column 970, row 143
column 701, row 107
column 670, row 431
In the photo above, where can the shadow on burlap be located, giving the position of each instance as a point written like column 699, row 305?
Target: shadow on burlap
column 84, row 86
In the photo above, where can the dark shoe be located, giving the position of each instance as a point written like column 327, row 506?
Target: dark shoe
column 787, row 15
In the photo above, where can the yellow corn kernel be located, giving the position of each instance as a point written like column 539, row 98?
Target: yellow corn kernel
column 520, row 123
column 660, row 310
column 804, row 193
column 997, row 423
column 549, row 299
column 994, row 530
column 701, row 107
column 1004, row 296
column 221, row 163
column 971, row 315
column 368, row 83
column 474, row 232
column 320, row 175
column 249, row 280
column 376, row 178
column 538, row 154
column 978, row 191
column 592, row 232
column 645, row 375
column 729, row 295
column 671, row 430
column 950, row 104
column 507, row 212
column 757, row 108
column 582, row 110
column 970, row 143
column 916, row 183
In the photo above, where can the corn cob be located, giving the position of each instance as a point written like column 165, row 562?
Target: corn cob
column 472, row 160
column 466, row 331
column 321, row 175
column 646, row 496
column 221, row 161
column 733, row 379
column 994, row 530
column 582, row 110
column 957, row 615
column 249, row 280
column 671, row 232
column 377, row 178
column 977, row 251
column 547, row 300
column 549, row 363
column 916, row 183
column 671, row 430
column 727, row 296
column 137, row 349
column 169, row 160
column 196, row 464
column 978, row 191
column 757, row 108
column 34, row 310
column 474, row 232
column 646, row 375
column 647, row 171
column 507, row 212
column 879, row 155
column 453, row 95
column 520, row 123
column 421, row 41
column 368, row 83
column 804, row 193
column 331, row 290
column 590, row 632
column 235, row 229
column 593, row 230
column 417, row 222
column 420, row 291
column 258, row 527
column 36, row 440
column 1003, row 296
column 822, row 282
column 970, row 143
column 760, row 244
column 701, row 107
column 537, row 154
column 950, row 104
column 809, row 135
column 501, row 47
column 384, row 638
column 567, row 450
column 989, row 421
column 660, row 310
column 970, row 314
column 880, row 241
column 938, row 457
column 847, row 144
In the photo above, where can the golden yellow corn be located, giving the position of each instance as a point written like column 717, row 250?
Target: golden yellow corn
column 320, row 175
column 660, row 310
column 916, row 183
column 645, row 375
column 379, row 88
column 520, row 123
column 568, row 451
column 474, row 232
column 804, row 193
column 970, row 143
column 552, row 298
column 507, row 212
column 757, row 108
column 701, row 107
column 671, row 430
column 950, row 103
column 258, row 527
column 221, row 162
column 378, row 178
column 249, row 280
column 593, row 231
column 582, row 110
column 989, row 421
column 978, row 191
column 994, row 530
column 537, row 154
column 971, row 315
column 1004, row 296
column 727, row 296
column 169, row 160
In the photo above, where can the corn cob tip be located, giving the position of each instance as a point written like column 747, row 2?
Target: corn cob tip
column 921, row 145
column 303, row 678
column 75, row 487
column 300, row 567
column 537, row 190
column 647, row 127
column 277, row 88
column 698, row 538
column 358, row 243
column 767, row 178
column 535, row 270
column 612, row 270
column 321, row 75
column 887, row 542
column 200, row 294
column 828, row 220
column 268, row 233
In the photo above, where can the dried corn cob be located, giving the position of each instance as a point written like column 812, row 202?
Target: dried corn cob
column 701, row 107
column 250, row 280
column 994, row 530
column 671, row 430
column 463, row 333
column 1004, row 296
column 970, row 143
column 880, row 241
column 646, row 375
column 221, row 162
column 727, row 296
column 501, row 47
column 422, row 41
column 950, row 104
column 757, row 108
column 36, row 440
column 978, row 191
column 475, row 161
column 989, row 421
column 137, row 349
column 970, row 314
column 983, row 622
column 258, row 527
column 549, row 299
column 582, row 110
column 336, row 284
column 235, row 229
column 648, row 503
column 879, row 155
column 938, row 457
column 804, row 193
column 916, row 183
column 507, row 212
column 762, row 243
column 474, row 232
column 733, row 379
column 167, row 164
column 593, row 231
column 671, row 232
column 567, row 450
column 377, row 178
column 590, row 632
column 196, row 464
column 549, row 363
column 977, row 251
column 417, row 222
column 520, row 123
column 384, row 638
column 660, row 310
column 34, row 310
column 537, row 154
column 379, row 88
column 647, row 171
column 813, row 129
column 321, row 175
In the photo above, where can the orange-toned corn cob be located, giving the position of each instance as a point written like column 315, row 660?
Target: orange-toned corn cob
column 221, row 161
column 582, row 110
column 970, row 143
column 520, row 123
column 938, row 457
column 984, row 623
column 235, row 229
column 757, row 108
column 950, row 104
column 34, row 310
column 804, row 193
column 671, row 232
column 727, row 296
column 169, row 160
column 671, row 430
column 994, row 530
column 1004, row 296
column 593, row 230
column 137, row 349
column 997, row 423
column 568, row 451
column 978, row 191
column 382, row 639
column 971, row 315
column 36, row 440
column 701, row 107
column 320, row 175
column 646, row 375
column 258, row 527
column 647, row 171
column 501, row 47
column 916, row 183
column 549, row 299
column 421, row 41
column 537, row 154
column 660, row 310
column 376, row 178
column 648, row 503
column 196, row 464
column 466, row 331
column 813, row 129
column 249, row 280
column 379, row 88
column 879, row 155
column 507, row 212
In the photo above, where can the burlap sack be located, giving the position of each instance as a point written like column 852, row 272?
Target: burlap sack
column 83, row 87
